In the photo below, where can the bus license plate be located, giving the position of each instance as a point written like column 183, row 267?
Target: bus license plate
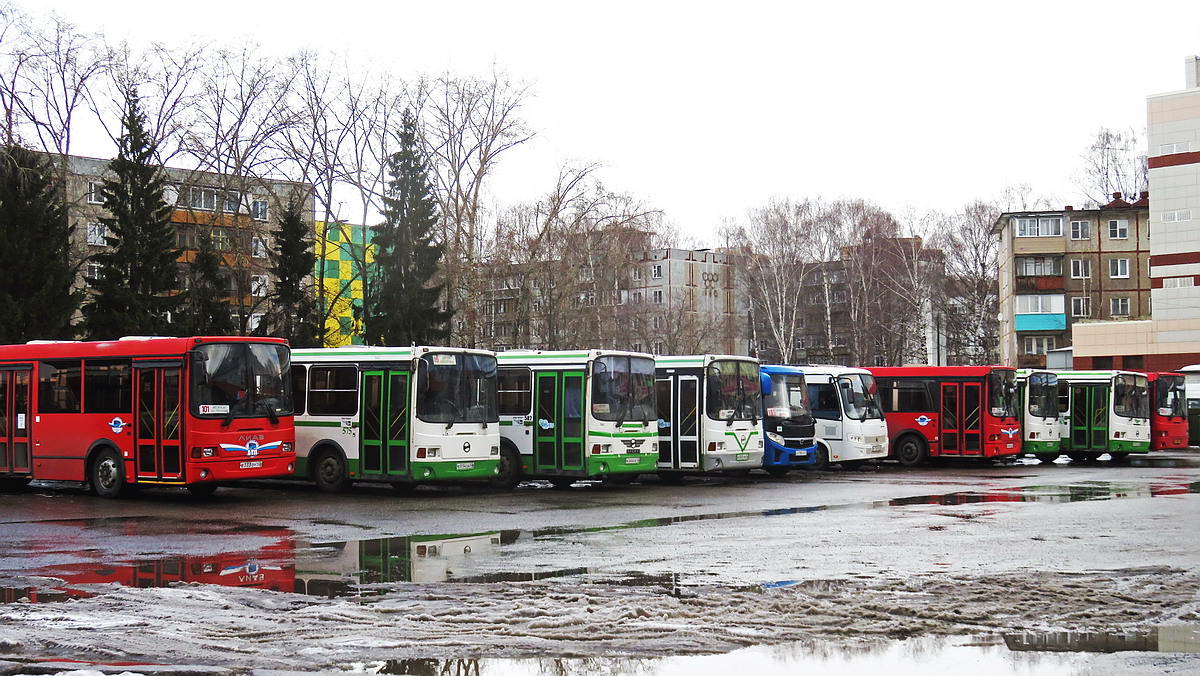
column 251, row 464
column 632, row 461
column 742, row 456
column 877, row 448
column 465, row 465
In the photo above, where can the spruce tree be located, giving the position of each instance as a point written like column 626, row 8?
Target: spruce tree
column 401, row 303
column 293, row 314
column 203, row 310
column 36, row 273
column 136, row 290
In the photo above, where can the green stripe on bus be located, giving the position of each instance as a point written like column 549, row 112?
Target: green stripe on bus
column 624, row 435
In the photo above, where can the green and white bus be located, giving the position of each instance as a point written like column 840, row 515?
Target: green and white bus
column 569, row 415
column 1041, row 428
column 1103, row 412
column 709, row 413
column 400, row 415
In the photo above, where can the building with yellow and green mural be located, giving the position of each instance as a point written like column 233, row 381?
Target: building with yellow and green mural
column 344, row 251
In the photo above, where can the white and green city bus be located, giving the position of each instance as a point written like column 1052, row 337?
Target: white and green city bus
column 1103, row 412
column 709, row 413
column 400, row 415
column 568, row 415
column 1041, row 431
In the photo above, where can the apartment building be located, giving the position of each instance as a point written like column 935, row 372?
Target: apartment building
column 1169, row 337
column 1060, row 269
column 239, row 214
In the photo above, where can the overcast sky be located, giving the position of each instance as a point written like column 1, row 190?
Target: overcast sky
column 705, row 110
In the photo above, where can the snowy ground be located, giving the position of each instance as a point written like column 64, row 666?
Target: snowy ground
column 840, row 563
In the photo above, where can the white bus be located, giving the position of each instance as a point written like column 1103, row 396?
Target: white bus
column 1104, row 412
column 574, row 414
column 850, row 426
column 1041, row 428
column 400, row 415
column 709, row 414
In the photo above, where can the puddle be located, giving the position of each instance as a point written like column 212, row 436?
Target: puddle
column 985, row 656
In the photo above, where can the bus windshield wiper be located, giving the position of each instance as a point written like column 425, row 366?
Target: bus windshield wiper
column 228, row 418
column 270, row 412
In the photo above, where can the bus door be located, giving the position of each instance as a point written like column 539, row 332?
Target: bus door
column 1089, row 416
column 14, row 420
column 158, row 431
column 558, row 421
column 961, row 422
column 679, row 433
column 385, row 432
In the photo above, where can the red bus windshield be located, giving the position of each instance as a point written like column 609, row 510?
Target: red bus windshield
column 1002, row 393
column 1169, row 397
column 241, row 380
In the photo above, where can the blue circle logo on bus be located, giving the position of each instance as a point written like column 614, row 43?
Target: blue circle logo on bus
column 924, row 420
column 252, row 447
column 116, row 425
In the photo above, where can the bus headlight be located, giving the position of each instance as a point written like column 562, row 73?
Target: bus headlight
column 855, row 438
column 287, row 447
column 205, row 452
column 775, row 438
column 495, row 450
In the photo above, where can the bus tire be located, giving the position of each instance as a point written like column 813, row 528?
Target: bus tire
column 202, row 490
column 821, row 458
column 508, row 474
column 777, row 470
column 911, row 450
column 1118, row 456
column 108, row 474
column 329, row 471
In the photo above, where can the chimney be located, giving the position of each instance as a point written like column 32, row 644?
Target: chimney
column 1192, row 67
column 1069, row 208
column 1116, row 195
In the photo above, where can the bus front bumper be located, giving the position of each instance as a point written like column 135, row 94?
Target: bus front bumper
column 621, row 463
column 453, row 470
column 236, row 469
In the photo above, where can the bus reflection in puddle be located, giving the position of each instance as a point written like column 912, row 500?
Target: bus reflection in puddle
column 1166, row 639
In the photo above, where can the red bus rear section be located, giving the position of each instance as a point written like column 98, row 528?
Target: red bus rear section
column 950, row 411
column 1168, row 411
column 190, row 412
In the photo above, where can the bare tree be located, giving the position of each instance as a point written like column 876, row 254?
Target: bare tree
column 166, row 81
column 971, row 301
column 1115, row 162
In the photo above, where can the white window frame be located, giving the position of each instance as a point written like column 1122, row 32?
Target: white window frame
column 1081, row 230
column 202, row 199
column 233, row 202
column 658, row 296
column 260, row 210
column 97, row 234
column 1179, row 282
column 259, row 285
column 1176, row 216
column 1081, row 306
column 1173, row 148
column 1118, row 268
column 1118, row 306
column 1042, row 226
column 656, row 271
column 92, row 271
column 1040, row 344
column 94, row 196
column 1037, row 304
column 1081, row 268
column 637, row 273
column 258, row 247
column 1119, row 226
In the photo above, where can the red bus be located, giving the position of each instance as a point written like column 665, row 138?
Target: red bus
column 189, row 412
column 1168, row 411
column 950, row 411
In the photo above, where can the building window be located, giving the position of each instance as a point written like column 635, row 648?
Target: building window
column 1037, row 266
column 1081, row 306
column 637, row 274
column 1081, row 268
column 637, row 297
column 656, row 271
column 203, row 198
column 1178, row 282
column 1176, row 216
column 1118, row 268
column 259, row 210
column 1172, row 148
column 1039, row 344
column 658, row 322
column 1039, row 304
column 258, row 247
column 254, row 321
column 657, row 347
column 1119, row 306
column 658, row 296
column 95, row 193
column 233, row 202
column 92, row 271
column 220, row 239
column 1039, row 227
column 258, row 286
column 1080, row 229
column 97, row 234
column 1118, row 229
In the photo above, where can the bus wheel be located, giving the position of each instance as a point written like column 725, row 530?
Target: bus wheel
column 202, row 490
column 821, row 460
column 853, row 464
column 1047, row 457
column 1118, row 457
column 108, row 474
column 509, row 474
column 911, row 451
column 777, row 470
column 329, row 472
column 562, row 481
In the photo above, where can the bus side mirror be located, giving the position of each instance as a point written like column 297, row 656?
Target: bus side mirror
column 765, row 380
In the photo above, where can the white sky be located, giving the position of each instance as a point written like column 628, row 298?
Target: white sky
column 705, row 110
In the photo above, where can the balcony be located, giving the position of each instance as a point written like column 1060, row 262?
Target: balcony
column 1045, row 283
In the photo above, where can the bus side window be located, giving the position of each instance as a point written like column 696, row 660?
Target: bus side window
column 1064, row 397
column 824, row 400
column 333, row 390
column 299, row 388
column 912, row 396
column 514, row 387
column 60, row 384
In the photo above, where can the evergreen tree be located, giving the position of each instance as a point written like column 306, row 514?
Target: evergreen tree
column 203, row 310
column 293, row 314
column 136, row 290
column 36, row 275
column 401, row 306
